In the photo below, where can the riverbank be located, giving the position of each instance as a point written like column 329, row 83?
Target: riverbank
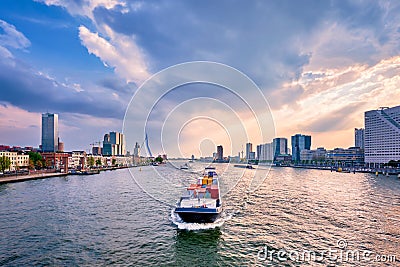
column 22, row 178
column 384, row 171
column 36, row 176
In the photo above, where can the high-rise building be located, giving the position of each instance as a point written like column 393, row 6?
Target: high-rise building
column 266, row 152
column 249, row 149
column 220, row 153
column 49, row 132
column 114, row 144
column 299, row 143
column 252, row 155
column 136, row 150
column 258, row 155
column 382, row 135
column 359, row 137
column 279, row 146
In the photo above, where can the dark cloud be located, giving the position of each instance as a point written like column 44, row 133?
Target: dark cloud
column 118, row 85
column 258, row 39
column 266, row 40
column 23, row 87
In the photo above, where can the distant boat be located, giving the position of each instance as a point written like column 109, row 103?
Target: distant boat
column 85, row 172
column 248, row 166
column 343, row 170
column 201, row 203
column 184, row 167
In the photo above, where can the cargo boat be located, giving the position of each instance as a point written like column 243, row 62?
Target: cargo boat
column 201, row 203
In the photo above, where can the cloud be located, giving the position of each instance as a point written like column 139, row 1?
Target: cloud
column 23, row 128
column 119, row 52
column 313, row 64
column 334, row 101
column 85, row 7
column 27, row 88
column 15, row 126
column 335, row 120
column 12, row 38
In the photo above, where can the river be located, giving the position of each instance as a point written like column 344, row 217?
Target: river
column 276, row 217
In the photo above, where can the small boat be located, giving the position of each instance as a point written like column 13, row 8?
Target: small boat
column 85, row 172
column 248, row 166
column 210, row 168
column 184, row 167
column 201, row 203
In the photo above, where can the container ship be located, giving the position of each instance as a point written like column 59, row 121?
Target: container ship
column 201, row 203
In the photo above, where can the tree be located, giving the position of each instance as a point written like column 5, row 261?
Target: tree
column 39, row 164
column 113, row 161
column 98, row 162
column 159, row 159
column 91, row 161
column 31, row 164
column 5, row 163
column 36, row 158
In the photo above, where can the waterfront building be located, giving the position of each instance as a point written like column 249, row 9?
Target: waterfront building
column 220, row 153
column 123, row 161
column 18, row 160
column 249, row 149
column 252, row 156
column 49, row 132
column 346, row 157
column 258, row 150
column 359, row 137
column 266, row 152
column 55, row 160
column 77, row 160
column 234, row 159
column 279, row 146
column 299, row 143
column 60, row 146
column 4, row 148
column 97, row 150
column 136, row 150
column 307, row 155
column 114, row 144
column 382, row 135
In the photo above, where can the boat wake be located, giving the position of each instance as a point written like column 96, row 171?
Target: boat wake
column 175, row 219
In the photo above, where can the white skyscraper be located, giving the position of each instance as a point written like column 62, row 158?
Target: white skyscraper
column 382, row 135
column 266, row 152
column 49, row 132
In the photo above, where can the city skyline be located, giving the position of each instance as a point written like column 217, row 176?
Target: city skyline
column 319, row 68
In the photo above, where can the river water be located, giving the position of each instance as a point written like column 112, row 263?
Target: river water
column 277, row 217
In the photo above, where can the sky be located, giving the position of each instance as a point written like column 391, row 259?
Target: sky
column 319, row 65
